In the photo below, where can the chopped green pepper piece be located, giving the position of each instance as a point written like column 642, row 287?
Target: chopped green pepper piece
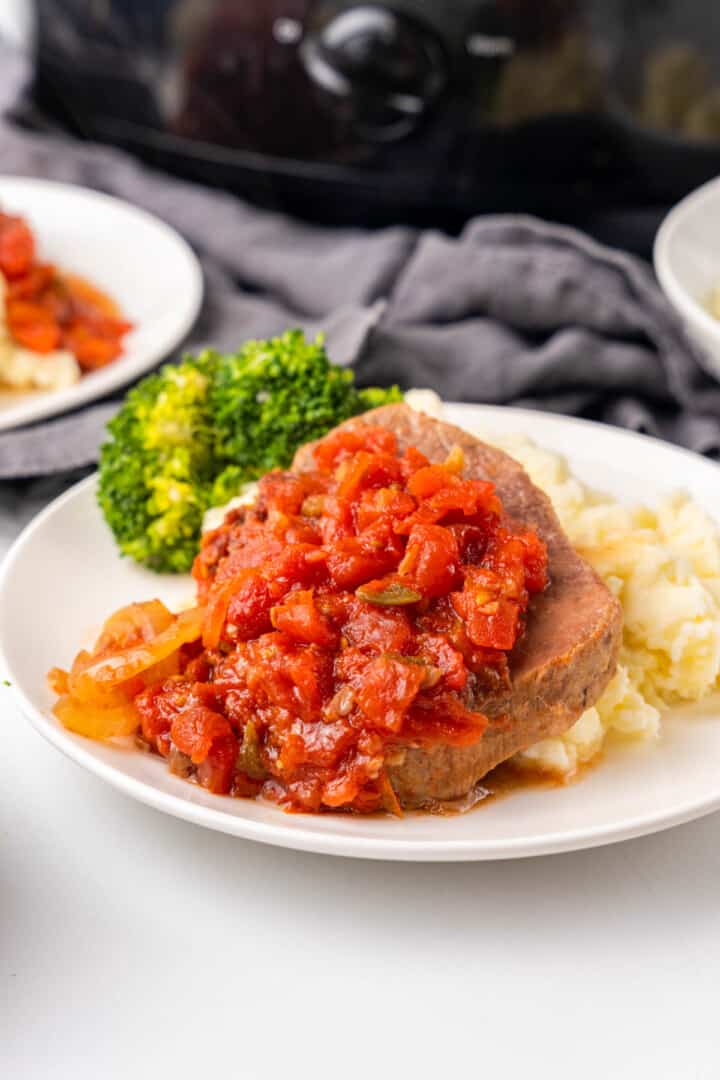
column 391, row 594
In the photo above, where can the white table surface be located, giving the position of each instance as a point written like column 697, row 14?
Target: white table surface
column 134, row 945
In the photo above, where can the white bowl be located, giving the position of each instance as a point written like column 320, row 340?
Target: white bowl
column 687, row 264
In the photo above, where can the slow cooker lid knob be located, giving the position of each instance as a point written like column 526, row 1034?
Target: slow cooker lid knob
column 387, row 65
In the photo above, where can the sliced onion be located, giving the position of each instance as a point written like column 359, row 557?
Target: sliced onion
column 96, row 721
column 134, row 623
column 112, row 670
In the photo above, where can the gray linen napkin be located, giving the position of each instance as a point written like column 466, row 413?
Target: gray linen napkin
column 514, row 310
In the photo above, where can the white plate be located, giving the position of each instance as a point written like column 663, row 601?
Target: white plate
column 63, row 577
column 687, row 262
column 138, row 260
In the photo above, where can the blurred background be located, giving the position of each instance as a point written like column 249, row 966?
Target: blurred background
column 601, row 113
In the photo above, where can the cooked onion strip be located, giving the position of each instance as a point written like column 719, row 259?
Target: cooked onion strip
column 116, row 668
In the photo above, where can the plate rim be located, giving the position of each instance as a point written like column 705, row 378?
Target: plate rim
column 115, row 376
column 307, row 839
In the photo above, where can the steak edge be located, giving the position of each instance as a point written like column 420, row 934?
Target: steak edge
column 568, row 652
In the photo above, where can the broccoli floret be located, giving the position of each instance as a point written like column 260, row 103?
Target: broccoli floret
column 273, row 396
column 191, row 435
column 156, row 469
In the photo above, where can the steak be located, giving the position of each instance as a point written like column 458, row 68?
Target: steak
column 563, row 661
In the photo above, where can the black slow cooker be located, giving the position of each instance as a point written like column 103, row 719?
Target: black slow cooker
column 424, row 111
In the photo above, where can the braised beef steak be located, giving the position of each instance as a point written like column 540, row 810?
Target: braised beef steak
column 569, row 650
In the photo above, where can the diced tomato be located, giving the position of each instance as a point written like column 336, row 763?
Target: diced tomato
column 463, row 497
column 40, row 337
column 388, row 688
column 432, row 560
column 491, row 618
column 342, row 444
column 350, row 664
column 250, row 546
column 337, row 522
column 437, row 649
column 318, row 743
column 378, row 629
column 411, row 461
column 248, row 613
column 299, row 618
column 215, row 772
column 239, row 607
column 364, row 470
column 380, row 535
column 506, row 554
column 301, row 531
column 350, row 563
column 333, row 603
column 282, row 491
column 196, row 729
column 295, row 564
column 157, row 707
column 32, row 326
column 428, row 481
column 310, row 673
column 346, row 787
column 385, row 503
column 444, row 718
column 17, row 247
column 276, row 673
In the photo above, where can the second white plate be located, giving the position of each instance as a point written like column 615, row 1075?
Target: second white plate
column 143, row 264
column 63, row 577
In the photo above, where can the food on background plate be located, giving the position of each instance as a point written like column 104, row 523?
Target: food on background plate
column 191, row 435
column 387, row 621
column 54, row 326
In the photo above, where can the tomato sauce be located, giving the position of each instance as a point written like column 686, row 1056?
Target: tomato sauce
column 350, row 611
column 48, row 310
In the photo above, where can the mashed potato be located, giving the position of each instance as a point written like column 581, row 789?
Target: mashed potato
column 663, row 564
column 23, row 369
